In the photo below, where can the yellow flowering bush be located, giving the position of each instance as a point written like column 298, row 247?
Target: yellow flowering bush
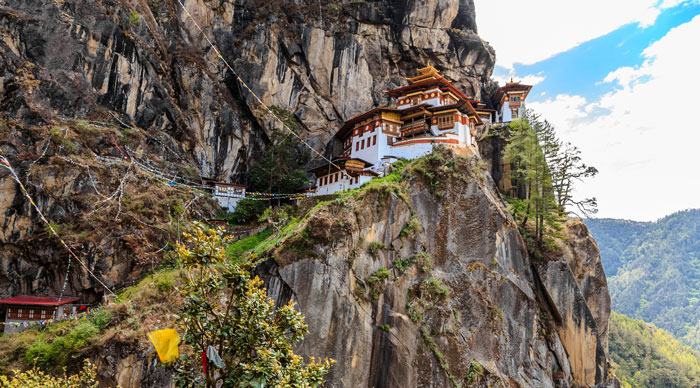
column 35, row 378
column 228, row 309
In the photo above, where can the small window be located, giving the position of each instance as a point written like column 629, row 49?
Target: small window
column 357, row 146
column 374, row 140
column 362, row 147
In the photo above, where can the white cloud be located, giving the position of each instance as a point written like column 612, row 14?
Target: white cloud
column 643, row 136
column 530, row 79
column 530, row 31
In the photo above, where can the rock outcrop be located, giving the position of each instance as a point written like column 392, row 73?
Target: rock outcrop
column 462, row 292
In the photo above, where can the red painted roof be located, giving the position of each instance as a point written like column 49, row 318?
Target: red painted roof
column 427, row 84
column 38, row 300
column 347, row 126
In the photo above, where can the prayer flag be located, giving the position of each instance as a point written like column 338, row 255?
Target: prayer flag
column 166, row 342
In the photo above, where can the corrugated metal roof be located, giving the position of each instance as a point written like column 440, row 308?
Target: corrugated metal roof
column 38, row 300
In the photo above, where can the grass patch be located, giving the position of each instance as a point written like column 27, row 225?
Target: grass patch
column 276, row 239
column 424, row 262
column 402, row 265
column 243, row 245
column 413, row 313
column 430, row 344
column 149, row 287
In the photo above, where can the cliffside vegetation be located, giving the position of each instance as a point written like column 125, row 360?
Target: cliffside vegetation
column 644, row 356
column 543, row 171
column 655, row 268
column 227, row 312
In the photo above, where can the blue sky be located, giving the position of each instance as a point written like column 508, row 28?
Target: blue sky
column 579, row 70
column 617, row 79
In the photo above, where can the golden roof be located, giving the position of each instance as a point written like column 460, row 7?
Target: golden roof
column 426, row 73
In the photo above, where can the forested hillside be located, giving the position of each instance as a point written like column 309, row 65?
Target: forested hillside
column 654, row 270
column 647, row 357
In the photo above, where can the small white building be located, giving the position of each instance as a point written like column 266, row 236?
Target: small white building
column 344, row 174
column 226, row 194
column 510, row 99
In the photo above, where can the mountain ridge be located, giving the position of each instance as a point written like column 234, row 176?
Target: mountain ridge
column 654, row 270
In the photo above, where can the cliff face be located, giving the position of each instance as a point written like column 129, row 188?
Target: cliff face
column 461, row 290
column 425, row 281
column 146, row 63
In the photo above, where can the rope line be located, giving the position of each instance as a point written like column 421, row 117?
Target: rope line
column 262, row 104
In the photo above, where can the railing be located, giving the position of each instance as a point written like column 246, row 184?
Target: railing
column 413, row 128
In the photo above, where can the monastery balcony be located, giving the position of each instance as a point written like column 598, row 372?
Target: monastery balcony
column 414, row 128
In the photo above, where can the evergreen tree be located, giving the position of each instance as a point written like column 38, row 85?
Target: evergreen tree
column 281, row 170
column 530, row 171
column 566, row 169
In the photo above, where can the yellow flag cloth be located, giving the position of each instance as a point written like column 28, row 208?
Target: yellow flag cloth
column 165, row 342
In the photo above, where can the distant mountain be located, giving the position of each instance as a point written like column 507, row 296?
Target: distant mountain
column 653, row 270
column 644, row 356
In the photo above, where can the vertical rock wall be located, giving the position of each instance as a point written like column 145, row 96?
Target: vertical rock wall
column 529, row 323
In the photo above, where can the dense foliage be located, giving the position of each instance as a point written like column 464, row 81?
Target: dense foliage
column 35, row 378
column 543, row 171
column 281, row 169
column 526, row 155
column 646, row 357
column 227, row 312
column 656, row 270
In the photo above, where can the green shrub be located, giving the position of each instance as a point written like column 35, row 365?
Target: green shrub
column 435, row 289
column 60, row 349
column 412, row 313
column 134, row 18
column 375, row 246
column 402, row 265
column 165, row 285
column 475, row 371
column 247, row 210
column 34, row 378
column 102, row 319
column 379, row 275
column 385, row 327
column 411, row 227
column 424, row 262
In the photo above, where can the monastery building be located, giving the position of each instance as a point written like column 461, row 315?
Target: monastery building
column 429, row 111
